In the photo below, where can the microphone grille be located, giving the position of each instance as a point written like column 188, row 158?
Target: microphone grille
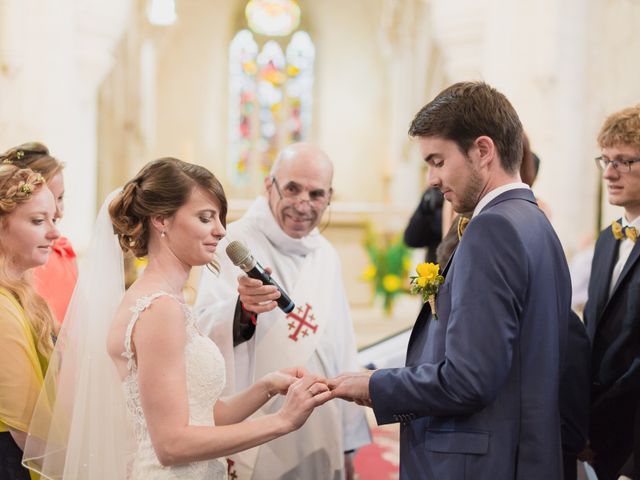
column 237, row 252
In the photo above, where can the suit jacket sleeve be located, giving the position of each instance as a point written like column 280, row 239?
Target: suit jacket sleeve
column 575, row 384
column 487, row 295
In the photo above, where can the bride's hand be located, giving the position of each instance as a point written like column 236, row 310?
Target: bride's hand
column 303, row 396
column 278, row 382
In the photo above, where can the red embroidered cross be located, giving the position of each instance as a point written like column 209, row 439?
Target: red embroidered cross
column 232, row 473
column 302, row 322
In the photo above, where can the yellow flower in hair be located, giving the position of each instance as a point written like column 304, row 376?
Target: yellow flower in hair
column 19, row 154
column 26, row 188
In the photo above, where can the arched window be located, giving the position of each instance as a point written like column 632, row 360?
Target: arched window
column 270, row 86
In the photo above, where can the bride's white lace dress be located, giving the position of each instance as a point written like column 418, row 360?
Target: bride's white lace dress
column 205, row 380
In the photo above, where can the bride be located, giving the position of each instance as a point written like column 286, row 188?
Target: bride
column 170, row 421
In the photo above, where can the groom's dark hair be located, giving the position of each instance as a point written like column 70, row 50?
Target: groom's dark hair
column 467, row 110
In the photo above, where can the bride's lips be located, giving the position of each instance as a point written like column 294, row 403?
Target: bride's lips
column 211, row 246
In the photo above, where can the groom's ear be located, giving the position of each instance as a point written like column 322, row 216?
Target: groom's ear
column 486, row 150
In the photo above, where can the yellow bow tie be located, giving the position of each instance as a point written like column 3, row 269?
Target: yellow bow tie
column 462, row 224
column 619, row 232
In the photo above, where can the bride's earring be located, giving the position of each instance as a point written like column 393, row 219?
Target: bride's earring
column 162, row 234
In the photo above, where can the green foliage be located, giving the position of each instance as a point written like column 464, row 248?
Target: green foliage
column 389, row 265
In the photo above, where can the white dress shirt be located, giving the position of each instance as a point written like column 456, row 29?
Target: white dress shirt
column 624, row 251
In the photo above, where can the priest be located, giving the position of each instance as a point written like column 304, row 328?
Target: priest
column 240, row 314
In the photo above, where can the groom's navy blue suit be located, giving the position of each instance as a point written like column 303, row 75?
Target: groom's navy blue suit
column 478, row 398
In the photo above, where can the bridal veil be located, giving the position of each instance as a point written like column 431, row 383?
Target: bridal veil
column 80, row 429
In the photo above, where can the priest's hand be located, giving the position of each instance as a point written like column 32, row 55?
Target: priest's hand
column 352, row 386
column 255, row 296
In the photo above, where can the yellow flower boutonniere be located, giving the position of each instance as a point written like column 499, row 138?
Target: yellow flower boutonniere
column 427, row 283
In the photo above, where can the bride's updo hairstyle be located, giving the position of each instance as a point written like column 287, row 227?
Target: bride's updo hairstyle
column 160, row 188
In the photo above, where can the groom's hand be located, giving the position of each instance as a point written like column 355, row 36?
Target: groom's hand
column 352, row 386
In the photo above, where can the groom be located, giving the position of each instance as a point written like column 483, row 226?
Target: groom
column 478, row 398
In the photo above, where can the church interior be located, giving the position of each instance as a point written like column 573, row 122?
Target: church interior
column 109, row 86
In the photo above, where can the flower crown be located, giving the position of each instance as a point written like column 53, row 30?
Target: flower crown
column 24, row 188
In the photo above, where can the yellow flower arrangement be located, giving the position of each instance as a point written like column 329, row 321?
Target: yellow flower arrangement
column 388, row 268
column 391, row 282
column 427, row 283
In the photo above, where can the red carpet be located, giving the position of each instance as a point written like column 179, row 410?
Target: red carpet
column 379, row 460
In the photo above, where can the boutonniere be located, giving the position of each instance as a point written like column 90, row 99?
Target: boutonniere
column 427, row 283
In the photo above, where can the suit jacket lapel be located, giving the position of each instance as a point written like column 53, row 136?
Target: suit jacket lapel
column 602, row 269
column 421, row 321
column 633, row 258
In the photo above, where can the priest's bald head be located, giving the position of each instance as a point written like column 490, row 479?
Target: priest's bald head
column 299, row 188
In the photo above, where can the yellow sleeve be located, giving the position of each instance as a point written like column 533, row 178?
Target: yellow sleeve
column 21, row 376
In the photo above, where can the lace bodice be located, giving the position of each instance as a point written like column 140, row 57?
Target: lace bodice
column 205, row 375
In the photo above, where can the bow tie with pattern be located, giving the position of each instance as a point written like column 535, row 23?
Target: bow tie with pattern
column 619, row 232
column 462, row 224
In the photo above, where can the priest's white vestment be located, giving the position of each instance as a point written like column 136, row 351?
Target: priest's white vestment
column 318, row 334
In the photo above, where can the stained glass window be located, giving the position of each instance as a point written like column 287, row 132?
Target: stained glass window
column 270, row 87
column 300, row 56
column 242, row 73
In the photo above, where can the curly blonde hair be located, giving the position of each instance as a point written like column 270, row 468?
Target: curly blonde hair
column 621, row 128
column 17, row 186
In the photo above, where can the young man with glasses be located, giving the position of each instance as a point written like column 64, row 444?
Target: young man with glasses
column 612, row 312
column 240, row 314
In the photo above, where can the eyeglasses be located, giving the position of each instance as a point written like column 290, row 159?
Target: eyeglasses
column 292, row 192
column 622, row 166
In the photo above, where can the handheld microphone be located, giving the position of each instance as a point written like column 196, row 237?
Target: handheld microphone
column 241, row 257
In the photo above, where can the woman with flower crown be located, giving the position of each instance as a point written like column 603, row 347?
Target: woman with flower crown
column 55, row 279
column 138, row 392
column 27, row 231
